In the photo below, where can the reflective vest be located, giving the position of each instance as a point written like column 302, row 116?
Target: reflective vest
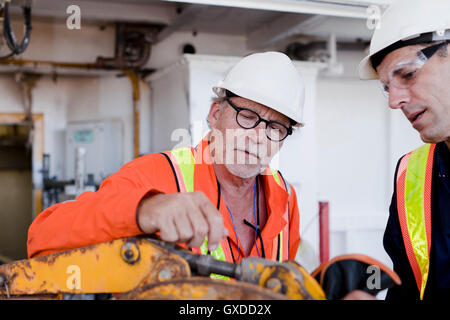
column 413, row 184
column 182, row 161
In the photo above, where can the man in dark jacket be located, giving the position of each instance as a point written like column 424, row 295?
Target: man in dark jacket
column 409, row 55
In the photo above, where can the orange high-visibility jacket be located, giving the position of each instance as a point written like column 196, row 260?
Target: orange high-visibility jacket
column 110, row 213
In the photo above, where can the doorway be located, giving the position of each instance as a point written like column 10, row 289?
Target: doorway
column 20, row 146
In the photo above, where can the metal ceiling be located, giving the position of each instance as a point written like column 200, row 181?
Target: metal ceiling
column 265, row 23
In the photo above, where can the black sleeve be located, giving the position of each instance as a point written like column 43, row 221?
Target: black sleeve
column 394, row 246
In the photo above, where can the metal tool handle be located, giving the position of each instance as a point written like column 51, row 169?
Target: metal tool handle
column 200, row 264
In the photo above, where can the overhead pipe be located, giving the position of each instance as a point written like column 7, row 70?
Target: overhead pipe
column 51, row 64
column 133, row 46
column 134, row 78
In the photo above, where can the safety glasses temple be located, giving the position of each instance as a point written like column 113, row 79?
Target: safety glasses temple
column 428, row 52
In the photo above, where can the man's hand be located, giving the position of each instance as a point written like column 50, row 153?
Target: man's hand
column 182, row 217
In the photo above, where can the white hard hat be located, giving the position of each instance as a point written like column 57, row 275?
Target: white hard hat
column 407, row 22
column 269, row 78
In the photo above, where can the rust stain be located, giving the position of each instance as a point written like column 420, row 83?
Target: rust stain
column 51, row 258
column 259, row 268
column 26, row 268
column 199, row 288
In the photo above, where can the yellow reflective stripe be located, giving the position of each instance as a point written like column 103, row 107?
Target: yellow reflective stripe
column 186, row 163
column 204, row 247
column 415, row 211
column 275, row 176
column 280, row 249
column 218, row 276
column 217, row 254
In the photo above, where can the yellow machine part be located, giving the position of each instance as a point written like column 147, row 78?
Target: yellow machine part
column 201, row 288
column 142, row 268
column 111, row 267
column 288, row 278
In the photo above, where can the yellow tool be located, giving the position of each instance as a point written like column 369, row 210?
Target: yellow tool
column 145, row 268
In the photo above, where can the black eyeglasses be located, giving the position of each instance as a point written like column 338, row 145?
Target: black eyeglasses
column 249, row 119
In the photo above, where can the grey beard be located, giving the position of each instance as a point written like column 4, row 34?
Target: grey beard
column 245, row 173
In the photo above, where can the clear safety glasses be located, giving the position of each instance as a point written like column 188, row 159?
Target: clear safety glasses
column 405, row 74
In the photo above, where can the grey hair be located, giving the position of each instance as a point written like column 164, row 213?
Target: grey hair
column 220, row 101
column 443, row 52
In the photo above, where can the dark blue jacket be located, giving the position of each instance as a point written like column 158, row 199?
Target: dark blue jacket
column 438, row 284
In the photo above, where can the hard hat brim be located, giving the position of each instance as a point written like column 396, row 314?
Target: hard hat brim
column 366, row 71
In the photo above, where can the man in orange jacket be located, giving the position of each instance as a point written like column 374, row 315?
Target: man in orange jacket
column 220, row 197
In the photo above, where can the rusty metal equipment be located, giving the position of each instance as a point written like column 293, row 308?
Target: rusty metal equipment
column 146, row 268
column 200, row 288
column 133, row 46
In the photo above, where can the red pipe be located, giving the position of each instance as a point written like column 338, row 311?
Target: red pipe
column 324, row 232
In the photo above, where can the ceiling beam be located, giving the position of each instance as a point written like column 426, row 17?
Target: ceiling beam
column 361, row 2
column 305, row 7
column 147, row 12
column 188, row 14
column 285, row 26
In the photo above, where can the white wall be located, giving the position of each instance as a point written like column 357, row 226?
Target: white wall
column 298, row 162
column 169, row 106
column 359, row 142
